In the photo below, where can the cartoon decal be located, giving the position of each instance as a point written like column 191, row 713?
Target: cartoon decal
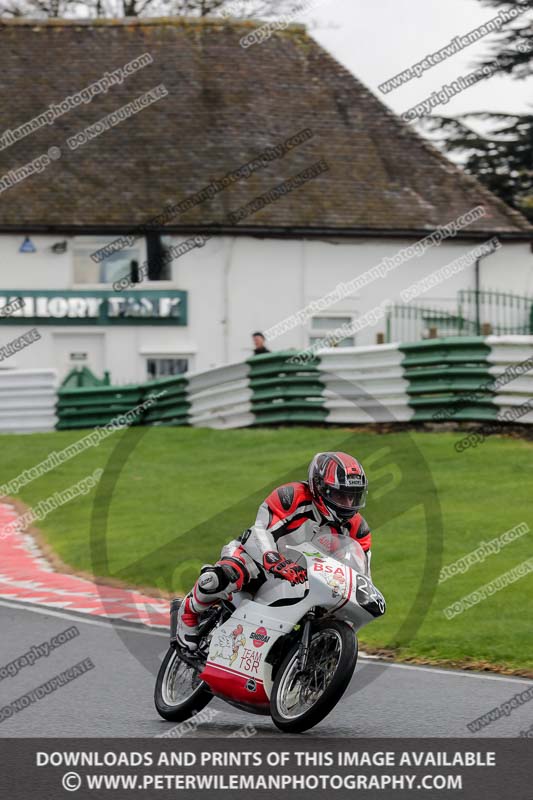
column 228, row 645
column 337, row 583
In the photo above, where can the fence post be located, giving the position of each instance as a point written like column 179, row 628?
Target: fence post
column 388, row 318
column 478, row 320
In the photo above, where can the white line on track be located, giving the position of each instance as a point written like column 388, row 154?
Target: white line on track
column 369, row 661
column 85, row 619
column 437, row 670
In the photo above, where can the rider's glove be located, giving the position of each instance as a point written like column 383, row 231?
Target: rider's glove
column 282, row 568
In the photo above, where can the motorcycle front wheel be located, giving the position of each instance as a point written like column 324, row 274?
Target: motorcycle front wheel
column 179, row 692
column 300, row 700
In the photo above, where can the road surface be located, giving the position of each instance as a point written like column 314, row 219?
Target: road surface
column 116, row 697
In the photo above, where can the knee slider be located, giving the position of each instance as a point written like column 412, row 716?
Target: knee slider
column 213, row 580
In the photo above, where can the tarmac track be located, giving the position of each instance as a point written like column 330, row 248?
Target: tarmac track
column 115, row 699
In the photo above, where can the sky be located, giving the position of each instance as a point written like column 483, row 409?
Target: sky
column 376, row 39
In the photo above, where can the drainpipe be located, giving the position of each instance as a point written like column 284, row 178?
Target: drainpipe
column 478, row 282
column 478, row 320
column 228, row 257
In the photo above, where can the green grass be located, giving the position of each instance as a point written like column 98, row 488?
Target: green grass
column 171, row 497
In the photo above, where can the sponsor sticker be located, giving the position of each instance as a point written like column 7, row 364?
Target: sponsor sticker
column 259, row 637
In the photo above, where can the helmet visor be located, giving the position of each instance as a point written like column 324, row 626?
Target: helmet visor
column 349, row 497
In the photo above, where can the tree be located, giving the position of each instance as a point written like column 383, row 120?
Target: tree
column 501, row 159
column 243, row 9
column 514, row 44
column 502, row 156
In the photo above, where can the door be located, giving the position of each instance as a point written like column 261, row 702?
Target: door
column 79, row 350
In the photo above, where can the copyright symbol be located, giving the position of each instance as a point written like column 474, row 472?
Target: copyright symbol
column 54, row 153
column 71, row 781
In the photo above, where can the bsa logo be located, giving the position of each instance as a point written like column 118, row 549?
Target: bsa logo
column 259, row 637
column 251, row 685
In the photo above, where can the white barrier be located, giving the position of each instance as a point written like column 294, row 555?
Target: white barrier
column 28, row 400
column 507, row 352
column 221, row 398
column 509, row 349
column 364, row 384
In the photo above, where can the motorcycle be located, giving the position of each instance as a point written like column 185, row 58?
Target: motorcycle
column 288, row 652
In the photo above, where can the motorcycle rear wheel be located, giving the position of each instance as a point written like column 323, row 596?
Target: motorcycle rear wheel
column 301, row 700
column 179, row 693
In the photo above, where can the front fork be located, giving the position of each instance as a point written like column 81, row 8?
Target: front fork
column 303, row 651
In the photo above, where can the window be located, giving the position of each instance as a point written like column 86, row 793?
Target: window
column 325, row 332
column 111, row 268
column 146, row 259
column 329, row 323
column 166, row 367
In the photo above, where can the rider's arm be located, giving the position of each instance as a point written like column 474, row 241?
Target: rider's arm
column 284, row 507
column 360, row 531
column 279, row 510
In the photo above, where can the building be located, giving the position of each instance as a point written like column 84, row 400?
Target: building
column 124, row 138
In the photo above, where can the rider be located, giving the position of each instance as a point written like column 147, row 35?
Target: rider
column 330, row 501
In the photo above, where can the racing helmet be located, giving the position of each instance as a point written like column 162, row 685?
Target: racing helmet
column 338, row 485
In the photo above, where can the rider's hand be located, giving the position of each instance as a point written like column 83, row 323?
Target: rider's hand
column 282, row 568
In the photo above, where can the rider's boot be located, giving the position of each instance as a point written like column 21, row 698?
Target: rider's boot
column 187, row 630
column 215, row 583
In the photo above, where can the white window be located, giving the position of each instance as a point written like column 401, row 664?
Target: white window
column 327, row 332
column 166, row 367
column 112, row 267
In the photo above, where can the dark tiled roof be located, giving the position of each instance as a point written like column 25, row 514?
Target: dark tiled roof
column 225, row 105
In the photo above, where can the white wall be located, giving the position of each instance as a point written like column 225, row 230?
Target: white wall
column 267, row 280
column 239, row 284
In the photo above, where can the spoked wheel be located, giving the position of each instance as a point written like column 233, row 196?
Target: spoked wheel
column 300, row 700
column 179, row 692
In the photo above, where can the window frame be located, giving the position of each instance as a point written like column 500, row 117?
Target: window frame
column 315, row 335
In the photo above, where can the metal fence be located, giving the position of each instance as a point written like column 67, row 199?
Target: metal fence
column 506, row 313
column 483, row 312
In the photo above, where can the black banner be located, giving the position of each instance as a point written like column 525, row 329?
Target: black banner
column 295, row 767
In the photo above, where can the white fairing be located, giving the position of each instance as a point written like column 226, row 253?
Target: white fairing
column 338, row 582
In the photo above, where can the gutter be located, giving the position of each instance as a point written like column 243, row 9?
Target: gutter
column 266, row 232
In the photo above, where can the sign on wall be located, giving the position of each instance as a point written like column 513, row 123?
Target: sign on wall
column 96, row 307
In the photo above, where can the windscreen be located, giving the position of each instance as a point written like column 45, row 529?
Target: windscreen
column 341, row 548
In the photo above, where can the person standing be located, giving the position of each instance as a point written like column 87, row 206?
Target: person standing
column 259, row 344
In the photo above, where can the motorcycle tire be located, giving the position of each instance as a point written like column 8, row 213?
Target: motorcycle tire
column 336, row 686
column 190, row 704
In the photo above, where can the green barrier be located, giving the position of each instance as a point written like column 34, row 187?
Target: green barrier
column 447, row 379
column 83, row 377
column 99, row 405
column 481, row 373
column 285, row 391
column 172, row 405
column 452, row 350
column 425, row 385
column 288, row 412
